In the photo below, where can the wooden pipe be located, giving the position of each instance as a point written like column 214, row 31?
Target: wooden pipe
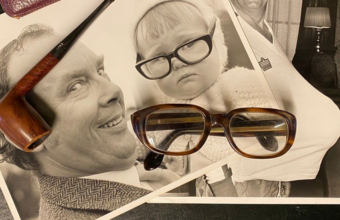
column 19, row 121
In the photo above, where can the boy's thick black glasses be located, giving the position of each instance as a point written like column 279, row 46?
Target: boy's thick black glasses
column 191, row 52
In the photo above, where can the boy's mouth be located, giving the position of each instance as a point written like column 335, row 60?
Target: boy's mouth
column 185, row 76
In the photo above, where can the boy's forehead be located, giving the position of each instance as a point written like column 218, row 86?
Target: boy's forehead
column 171, row 38
column 167, row 15
column 155, row 25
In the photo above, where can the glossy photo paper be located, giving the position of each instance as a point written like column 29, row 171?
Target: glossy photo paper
column 92, row 165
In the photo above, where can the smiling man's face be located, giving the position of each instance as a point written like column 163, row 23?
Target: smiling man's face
column 86, row 110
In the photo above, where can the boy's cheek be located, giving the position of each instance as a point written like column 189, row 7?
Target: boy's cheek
column 166, row 87
column 215, row 99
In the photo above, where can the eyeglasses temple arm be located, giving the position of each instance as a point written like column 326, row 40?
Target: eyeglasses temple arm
column 154, row 160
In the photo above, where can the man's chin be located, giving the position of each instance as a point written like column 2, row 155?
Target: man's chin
column 127, row 163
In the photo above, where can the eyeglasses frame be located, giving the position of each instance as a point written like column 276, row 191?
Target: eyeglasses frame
column 138, row 120
column 207, row 38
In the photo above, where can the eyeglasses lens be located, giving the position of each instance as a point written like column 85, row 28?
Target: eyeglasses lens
column 174, row 130
column 192, row 52
column 259, row 134
column 157, row 67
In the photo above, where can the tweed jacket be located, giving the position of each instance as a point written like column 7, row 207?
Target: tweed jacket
column 77, row 198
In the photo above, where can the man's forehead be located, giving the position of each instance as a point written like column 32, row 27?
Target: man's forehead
column 33, row 50
column 78, row 60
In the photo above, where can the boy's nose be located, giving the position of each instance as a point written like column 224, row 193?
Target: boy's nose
column 176, row 64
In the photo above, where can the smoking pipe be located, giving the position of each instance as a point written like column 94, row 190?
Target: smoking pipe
column 19, row 121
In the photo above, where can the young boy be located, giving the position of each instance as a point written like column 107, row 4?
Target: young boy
column 180, row 45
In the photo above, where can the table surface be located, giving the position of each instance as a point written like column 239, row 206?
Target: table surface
column 232, row 211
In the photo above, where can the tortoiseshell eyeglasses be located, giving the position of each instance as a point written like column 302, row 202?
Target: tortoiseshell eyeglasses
column 258, row 133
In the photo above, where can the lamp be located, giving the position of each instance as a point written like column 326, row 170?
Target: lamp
column 318, row 18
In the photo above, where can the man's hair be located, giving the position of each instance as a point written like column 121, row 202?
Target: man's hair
column 167, row 15
column 10, row 153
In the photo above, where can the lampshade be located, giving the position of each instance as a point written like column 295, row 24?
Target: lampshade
column 317, row 17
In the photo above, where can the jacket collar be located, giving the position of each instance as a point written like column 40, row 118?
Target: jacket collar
column 78, row 193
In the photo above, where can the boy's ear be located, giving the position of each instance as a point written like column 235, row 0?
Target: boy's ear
column 139, row 58
column 212, row 27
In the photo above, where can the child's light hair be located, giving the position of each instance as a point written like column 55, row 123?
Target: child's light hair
column 166, row 15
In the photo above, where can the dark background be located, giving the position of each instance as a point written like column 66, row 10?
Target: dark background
column 305, row 48
column 226, row 211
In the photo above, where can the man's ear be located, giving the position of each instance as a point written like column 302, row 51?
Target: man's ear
column 39, row 148
column 3, row 139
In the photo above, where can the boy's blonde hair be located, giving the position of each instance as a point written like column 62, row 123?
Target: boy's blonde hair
column 165, row 15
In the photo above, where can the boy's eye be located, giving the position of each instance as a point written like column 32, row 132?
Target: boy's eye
column 188, row 46
column 158, row 60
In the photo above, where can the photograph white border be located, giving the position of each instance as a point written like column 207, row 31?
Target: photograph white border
column 247, row 200
column 8, row 198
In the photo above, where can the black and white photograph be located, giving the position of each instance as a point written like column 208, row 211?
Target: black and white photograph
column 286, row 176
column 106, row 105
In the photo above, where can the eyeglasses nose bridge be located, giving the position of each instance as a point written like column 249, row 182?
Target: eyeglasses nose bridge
column 173, row 62
column 219, row 120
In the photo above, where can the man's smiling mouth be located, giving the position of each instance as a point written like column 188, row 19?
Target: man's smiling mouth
column 112, row 123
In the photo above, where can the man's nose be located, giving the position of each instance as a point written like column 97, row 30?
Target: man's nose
column 110, row 94
column 176, row 63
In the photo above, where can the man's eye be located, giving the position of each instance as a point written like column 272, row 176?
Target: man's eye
column 75, row 87
column 101, row 72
